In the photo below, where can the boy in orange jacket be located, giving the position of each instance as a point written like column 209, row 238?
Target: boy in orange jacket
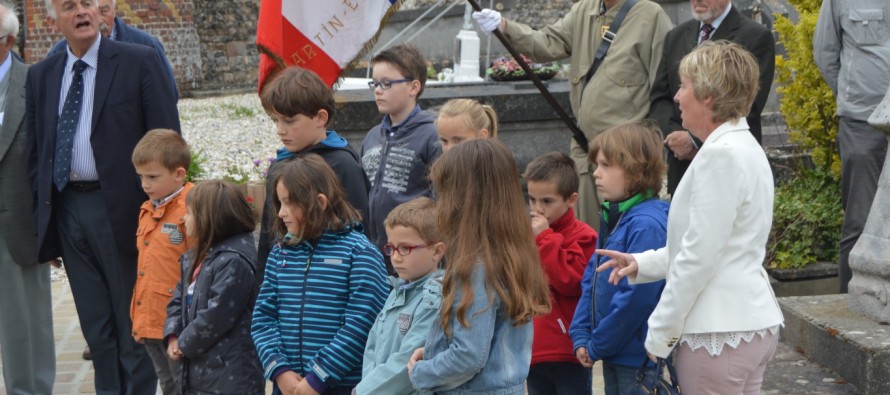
column 161, row 159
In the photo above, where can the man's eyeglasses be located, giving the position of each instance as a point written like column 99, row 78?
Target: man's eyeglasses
column 386, row 84
column 403, row 249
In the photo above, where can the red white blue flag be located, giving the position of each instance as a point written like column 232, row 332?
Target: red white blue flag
column 323, row 36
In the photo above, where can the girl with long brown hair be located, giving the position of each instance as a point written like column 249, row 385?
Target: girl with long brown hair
column 208, row 320
column 324, row 285
column 493, row 284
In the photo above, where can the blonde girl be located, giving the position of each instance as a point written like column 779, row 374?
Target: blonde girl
column 493, row 284
column 463, row 120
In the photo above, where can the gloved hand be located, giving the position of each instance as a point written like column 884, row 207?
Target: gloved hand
column 487, row 19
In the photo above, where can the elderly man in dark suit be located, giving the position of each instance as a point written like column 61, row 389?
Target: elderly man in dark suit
column 86, row 109
column 26, row 320
column 116, row 29
column 711, row 20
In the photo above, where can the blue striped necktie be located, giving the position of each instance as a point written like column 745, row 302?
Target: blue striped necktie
column 68, row 121
column 706, row 31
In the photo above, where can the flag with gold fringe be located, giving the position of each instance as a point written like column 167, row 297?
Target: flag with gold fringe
column 323, row 36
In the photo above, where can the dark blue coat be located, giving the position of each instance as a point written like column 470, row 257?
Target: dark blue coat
column 213, row 330
column 131, row 97
column 128, row 34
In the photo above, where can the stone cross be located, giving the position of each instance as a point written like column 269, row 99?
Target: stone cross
column 869, row 290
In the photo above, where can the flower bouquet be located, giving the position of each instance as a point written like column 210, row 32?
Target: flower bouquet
column 504, row 69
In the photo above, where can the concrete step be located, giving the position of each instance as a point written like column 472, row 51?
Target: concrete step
column 828, row 332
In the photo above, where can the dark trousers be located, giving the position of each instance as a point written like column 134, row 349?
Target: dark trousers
column 862, row 150
column 559, row 378
column 102, row 284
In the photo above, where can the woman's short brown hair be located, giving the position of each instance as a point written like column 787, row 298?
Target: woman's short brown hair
column 725, row 72
column 305, row 177
column 636, row 148
column 297, row 91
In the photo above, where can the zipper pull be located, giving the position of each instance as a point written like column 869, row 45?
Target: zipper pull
column 561, row 325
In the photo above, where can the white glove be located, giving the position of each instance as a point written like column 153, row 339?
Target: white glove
column 487, row 19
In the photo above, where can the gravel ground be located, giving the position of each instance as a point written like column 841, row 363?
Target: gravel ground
column 230, row 133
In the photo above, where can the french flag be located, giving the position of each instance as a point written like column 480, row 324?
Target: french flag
column 323, row 36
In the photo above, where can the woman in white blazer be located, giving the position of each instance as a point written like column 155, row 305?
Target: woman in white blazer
column 717, row 308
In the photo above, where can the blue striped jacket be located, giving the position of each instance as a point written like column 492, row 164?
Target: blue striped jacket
column 317, row 305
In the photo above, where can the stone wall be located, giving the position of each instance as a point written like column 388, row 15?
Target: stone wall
column 536, row 13
column 209, row 43
column 227, row 30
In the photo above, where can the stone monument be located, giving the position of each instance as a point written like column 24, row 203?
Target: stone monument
column 466, row 62
column 869, row 290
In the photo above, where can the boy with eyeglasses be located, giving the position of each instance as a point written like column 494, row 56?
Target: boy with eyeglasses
column 397, row 154
column 413, row 305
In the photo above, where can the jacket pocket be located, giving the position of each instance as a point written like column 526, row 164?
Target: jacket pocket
column 158, row 297
column 866, row 26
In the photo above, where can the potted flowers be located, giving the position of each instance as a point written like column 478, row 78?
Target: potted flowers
column 504, row 69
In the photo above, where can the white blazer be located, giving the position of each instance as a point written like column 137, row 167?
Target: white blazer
column 718, row 227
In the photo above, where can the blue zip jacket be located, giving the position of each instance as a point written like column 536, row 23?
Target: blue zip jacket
column 316, row 307
column 343, row 160
column 617, row 330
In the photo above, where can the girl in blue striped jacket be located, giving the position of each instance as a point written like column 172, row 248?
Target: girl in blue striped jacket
column 323, row 287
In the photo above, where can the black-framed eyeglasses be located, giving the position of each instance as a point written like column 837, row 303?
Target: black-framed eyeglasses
column 386, row 84
column 404, row 249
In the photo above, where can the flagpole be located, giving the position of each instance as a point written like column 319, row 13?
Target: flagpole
column 577, row 134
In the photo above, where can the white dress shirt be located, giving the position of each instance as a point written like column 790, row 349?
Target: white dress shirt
column 83, row 163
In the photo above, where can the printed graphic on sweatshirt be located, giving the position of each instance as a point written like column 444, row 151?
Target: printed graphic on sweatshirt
column 396, row 168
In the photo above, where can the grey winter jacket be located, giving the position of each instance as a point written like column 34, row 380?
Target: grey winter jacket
column 214, row 329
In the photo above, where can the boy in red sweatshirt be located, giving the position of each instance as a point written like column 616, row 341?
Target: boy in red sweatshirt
column 565, row 244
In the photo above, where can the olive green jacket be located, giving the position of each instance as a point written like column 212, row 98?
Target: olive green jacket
column 619, row 91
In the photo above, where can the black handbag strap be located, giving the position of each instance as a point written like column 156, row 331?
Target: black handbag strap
column 660, row 365
column 608, row 36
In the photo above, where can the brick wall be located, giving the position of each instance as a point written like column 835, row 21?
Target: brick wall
column 209, row 43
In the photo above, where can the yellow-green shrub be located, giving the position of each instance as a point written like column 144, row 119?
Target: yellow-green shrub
column 807, row 103
column 807, row 217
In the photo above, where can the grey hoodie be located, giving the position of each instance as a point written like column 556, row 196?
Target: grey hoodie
column 397, row 161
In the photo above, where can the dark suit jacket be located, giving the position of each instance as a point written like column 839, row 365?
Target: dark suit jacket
column 131, row 97
column 680, row 41
column 128, row 34
column 16, row 225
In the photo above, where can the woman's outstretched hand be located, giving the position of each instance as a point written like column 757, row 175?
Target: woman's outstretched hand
column 624, row 264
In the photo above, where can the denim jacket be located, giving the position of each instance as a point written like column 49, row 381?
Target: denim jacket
column 402, row 327
column 491, row 356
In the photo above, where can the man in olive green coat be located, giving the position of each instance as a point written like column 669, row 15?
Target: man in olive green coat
column 619, row 90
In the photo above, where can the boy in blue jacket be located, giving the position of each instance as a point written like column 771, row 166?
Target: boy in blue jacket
column 610, row 321
column 413, row 305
